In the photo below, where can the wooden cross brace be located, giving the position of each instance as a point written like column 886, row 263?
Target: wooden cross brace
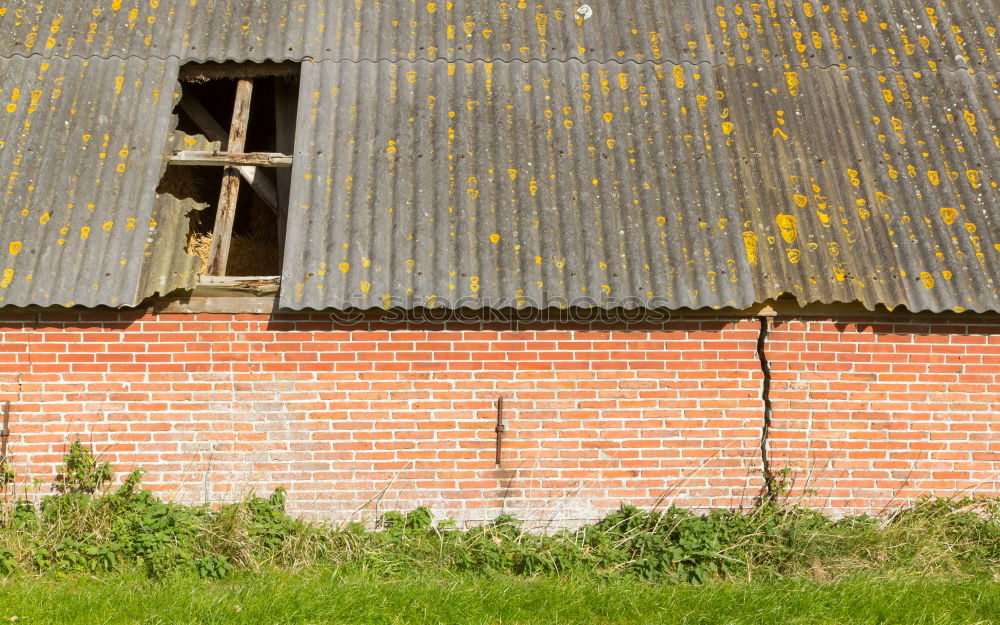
column 225, row 213
column 239, row 164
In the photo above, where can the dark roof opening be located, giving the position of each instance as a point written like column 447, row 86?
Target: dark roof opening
column 233, row 120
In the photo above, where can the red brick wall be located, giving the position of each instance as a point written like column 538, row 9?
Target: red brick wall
column 355, row 420
column 870, row 414
column 371, row 417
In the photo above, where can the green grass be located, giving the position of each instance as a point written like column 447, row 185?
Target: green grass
column 101, row 554
column 332, row 597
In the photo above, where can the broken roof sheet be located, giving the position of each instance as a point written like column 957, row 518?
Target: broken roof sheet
column 548, row 184
column 81, row 147
column 911, row 34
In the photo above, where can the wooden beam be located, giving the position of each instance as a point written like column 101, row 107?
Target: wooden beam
column 211, row 300
column 225, row 213
column 284, row 122
column 214, row 131
column 261, row 185
column 236, row 281
column 204, row 120
column 259, row 285
column 235, row 159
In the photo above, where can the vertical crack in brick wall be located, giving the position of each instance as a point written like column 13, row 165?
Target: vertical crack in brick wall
column 768, row 492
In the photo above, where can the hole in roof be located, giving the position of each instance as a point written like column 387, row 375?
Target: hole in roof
column 204, row 115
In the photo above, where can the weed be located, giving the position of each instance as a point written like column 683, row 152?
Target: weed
column 82, row 472
column 6, row 474
column 90, row 528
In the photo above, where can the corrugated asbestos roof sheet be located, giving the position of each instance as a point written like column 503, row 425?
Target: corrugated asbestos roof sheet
column 879, row 187
column 913, row 34
column 81, row 146
column 679, row 154
column 538, row 184
column 518, row 184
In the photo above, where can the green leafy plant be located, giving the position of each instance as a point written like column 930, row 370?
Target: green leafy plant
column 6, row 474
column 8, row 561
column 82, row 472
column 90, row 528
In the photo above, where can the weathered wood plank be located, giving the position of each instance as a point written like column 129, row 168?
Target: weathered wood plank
column 259, row 285
column 225, row 213
column 226, row 159
column 238, row 281
column 202, row 118
column 215, row 132
column 209, row 300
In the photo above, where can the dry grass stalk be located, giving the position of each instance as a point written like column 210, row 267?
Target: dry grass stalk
column 249, row 254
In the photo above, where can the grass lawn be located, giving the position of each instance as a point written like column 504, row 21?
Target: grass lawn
column 935, row 562
column 332, row 597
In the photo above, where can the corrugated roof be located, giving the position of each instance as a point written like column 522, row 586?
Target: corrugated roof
column 81, row 147
column 679, row 154
column 536, row 184
column 879, row 187
column 521, row 184
column 913, row 34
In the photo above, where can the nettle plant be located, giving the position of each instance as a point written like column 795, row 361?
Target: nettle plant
column 82, row 471
column 90, row 527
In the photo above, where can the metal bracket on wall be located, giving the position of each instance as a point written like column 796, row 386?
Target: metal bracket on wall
column 500, row 429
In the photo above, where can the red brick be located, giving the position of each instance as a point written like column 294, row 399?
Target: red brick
column 596, row 414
